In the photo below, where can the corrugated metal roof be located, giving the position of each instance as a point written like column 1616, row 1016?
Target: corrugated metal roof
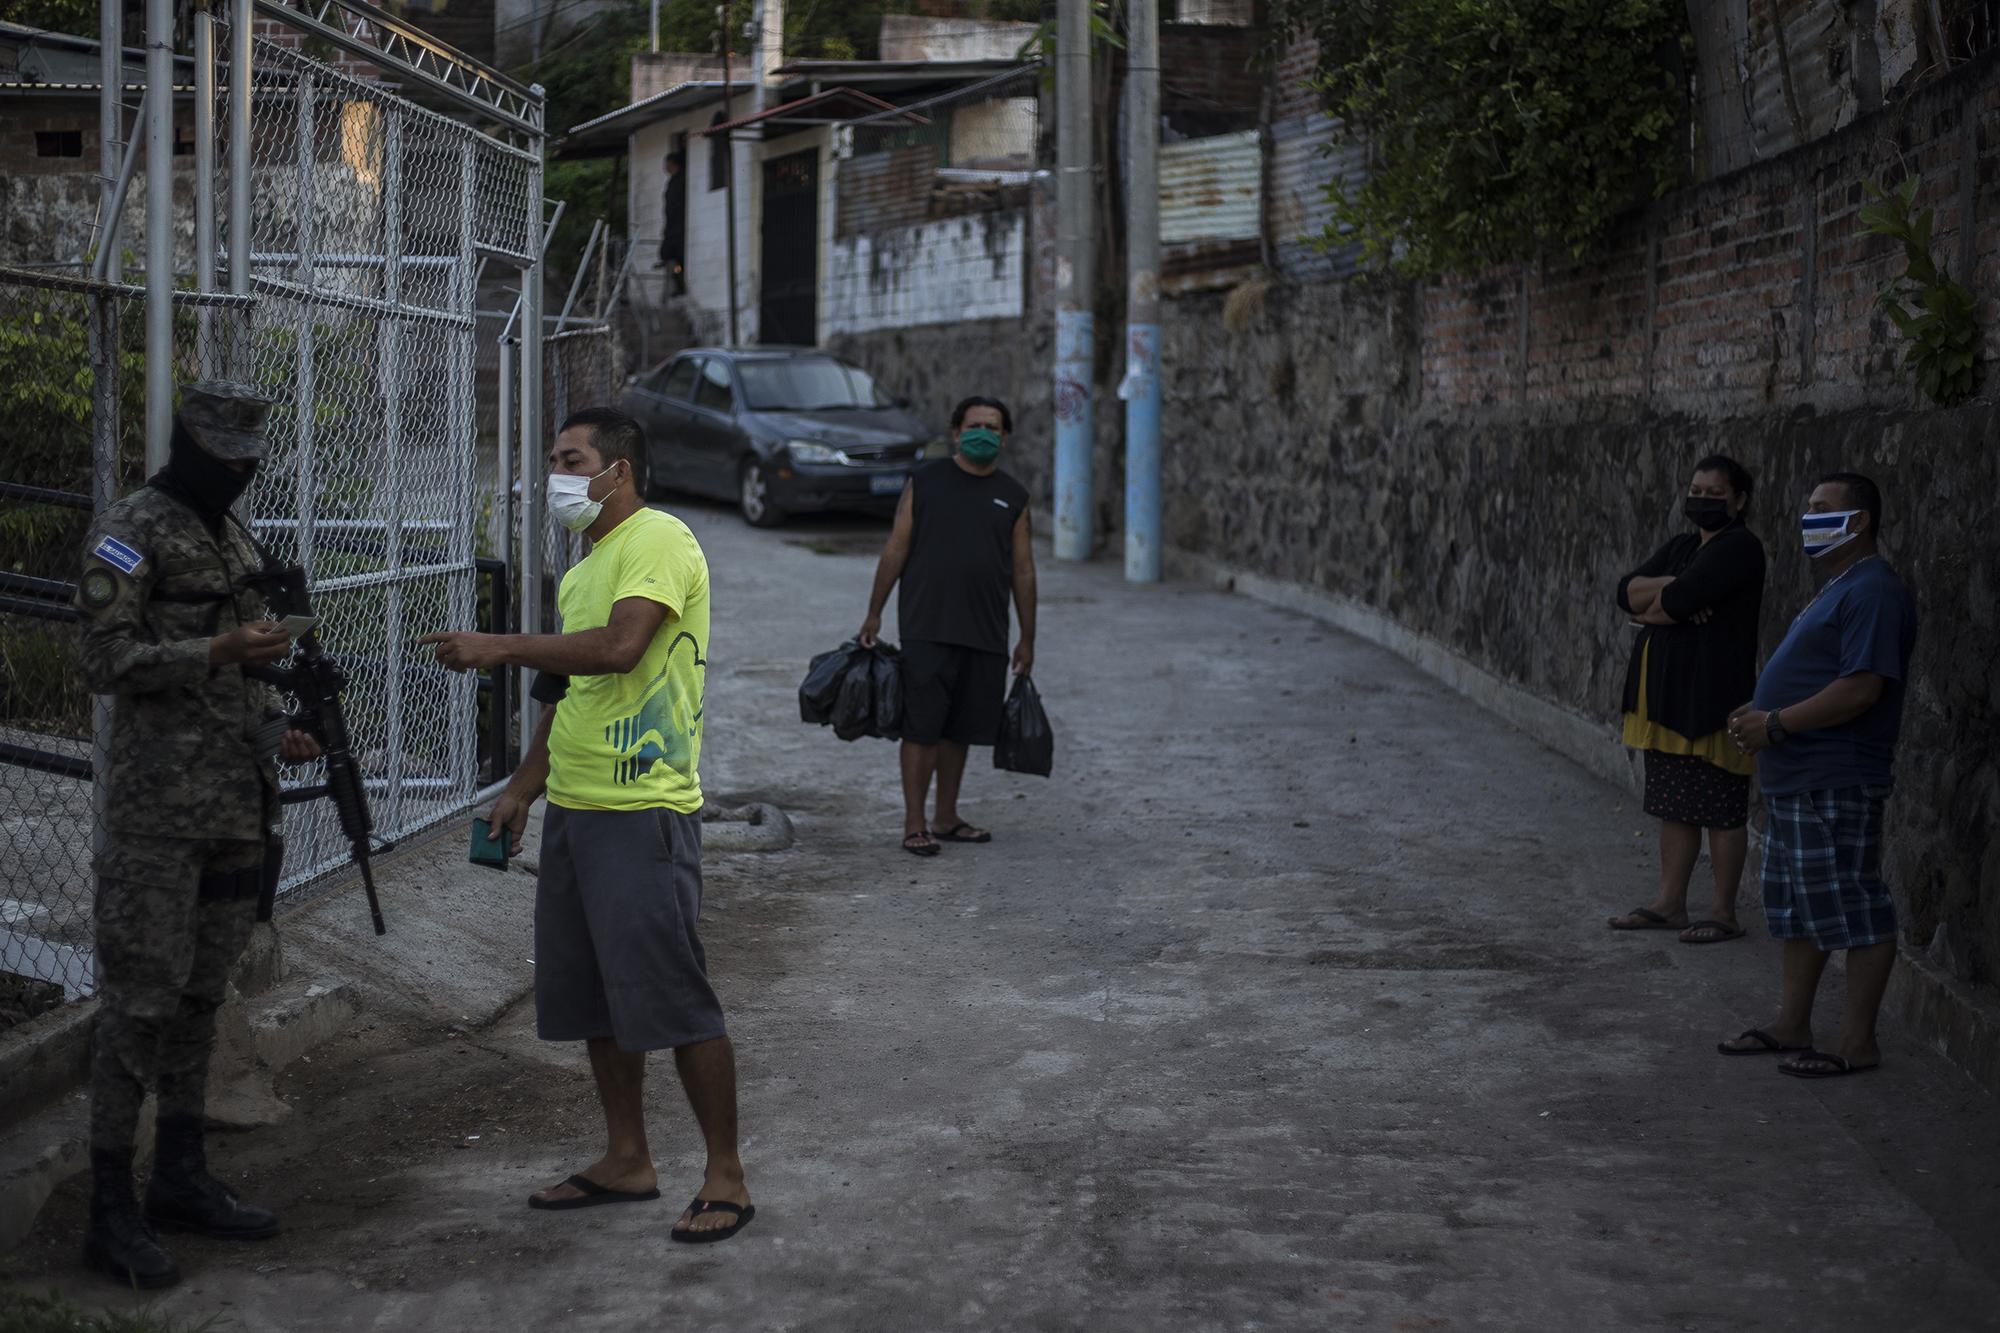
column 1209, row 189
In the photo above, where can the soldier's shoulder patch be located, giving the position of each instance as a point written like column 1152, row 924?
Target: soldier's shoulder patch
column 118, row 555
column 98, row 589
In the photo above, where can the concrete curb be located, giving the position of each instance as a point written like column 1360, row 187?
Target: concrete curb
column 44, row 1058
column 1938, row 1010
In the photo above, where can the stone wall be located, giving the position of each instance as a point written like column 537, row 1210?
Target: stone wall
column 1301, row 446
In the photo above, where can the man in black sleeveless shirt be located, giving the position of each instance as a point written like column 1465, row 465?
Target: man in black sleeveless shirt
column 960, row 545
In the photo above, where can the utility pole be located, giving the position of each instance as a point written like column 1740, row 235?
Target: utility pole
column 1075, row 282
column 1141, row 389
column 159, row 231
column 729, row 166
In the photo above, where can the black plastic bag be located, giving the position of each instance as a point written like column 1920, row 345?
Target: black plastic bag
column 854, row 707
column 1026, row 744
column 821, row 687
column 886, row 676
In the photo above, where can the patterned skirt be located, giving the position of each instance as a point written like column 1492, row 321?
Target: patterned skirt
column 1690, row 790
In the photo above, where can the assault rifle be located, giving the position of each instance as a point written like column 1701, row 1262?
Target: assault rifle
column 316, row 681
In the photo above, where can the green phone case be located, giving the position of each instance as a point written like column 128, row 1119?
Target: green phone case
column 488, row 850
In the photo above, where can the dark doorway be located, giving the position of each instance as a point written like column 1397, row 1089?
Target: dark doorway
column 789, row 306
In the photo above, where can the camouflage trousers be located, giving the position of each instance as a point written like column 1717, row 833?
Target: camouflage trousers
column 170, row 926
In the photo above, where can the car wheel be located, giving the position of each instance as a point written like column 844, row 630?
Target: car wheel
column 753, row 496
column 656, row 489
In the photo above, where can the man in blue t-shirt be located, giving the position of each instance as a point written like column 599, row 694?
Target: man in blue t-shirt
column 1823, row 726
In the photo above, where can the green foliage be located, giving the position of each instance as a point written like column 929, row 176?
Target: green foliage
column 1497, row 129
column 46, row 383
column 1936, row 314
column 78, row 17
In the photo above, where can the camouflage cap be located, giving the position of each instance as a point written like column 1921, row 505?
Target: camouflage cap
column 226, row 418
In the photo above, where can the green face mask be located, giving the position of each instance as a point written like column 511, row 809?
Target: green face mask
column 979, row 444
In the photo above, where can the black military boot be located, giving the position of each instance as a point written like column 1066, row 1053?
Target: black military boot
column 119, row 1242
column 184, row 1197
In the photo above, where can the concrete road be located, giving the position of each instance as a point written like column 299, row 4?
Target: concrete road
column 1287, row 1003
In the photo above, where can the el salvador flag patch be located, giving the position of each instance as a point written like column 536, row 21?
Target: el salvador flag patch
column 118, row 555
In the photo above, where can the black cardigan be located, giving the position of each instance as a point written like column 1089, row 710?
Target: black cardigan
column 1699, row 673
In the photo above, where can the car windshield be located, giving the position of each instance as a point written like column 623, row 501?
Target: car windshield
column 815, row 384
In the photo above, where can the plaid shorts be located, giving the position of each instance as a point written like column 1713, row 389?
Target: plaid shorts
column 1823, row 868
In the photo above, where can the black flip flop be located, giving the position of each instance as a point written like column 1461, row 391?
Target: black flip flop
column 1840, row 1066
column 593, row 1194
column 1729, row 932
column 931, row 850
column 951, row 834
column 744, row 1212
column 1653, row 921
column 1767, row 1045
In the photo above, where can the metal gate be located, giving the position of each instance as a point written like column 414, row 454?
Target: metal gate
column 373, row 217
column 340, row 226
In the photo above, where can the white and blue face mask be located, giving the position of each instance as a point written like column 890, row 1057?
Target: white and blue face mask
column 1827, row 532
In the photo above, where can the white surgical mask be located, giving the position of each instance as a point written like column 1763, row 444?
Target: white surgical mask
column 1826, row 532
column 570, row 502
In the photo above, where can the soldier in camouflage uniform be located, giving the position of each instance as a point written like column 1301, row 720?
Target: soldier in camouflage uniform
column 170, row 621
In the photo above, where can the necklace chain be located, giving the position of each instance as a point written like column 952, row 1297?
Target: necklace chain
column 1835, row 579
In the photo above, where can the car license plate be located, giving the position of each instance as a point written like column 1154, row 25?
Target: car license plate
column 888, row 483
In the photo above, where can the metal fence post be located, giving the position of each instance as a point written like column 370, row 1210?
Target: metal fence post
column 105, row 333
column 241, row 76
column 464, row 435
column 303, row 396
column 391, row 335
column 159, row 231
column 204, row 186
column 531, row 442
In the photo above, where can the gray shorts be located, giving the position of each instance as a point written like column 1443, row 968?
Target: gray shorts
column 616, row 953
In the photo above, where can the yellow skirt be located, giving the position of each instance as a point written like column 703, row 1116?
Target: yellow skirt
column 1642, row 733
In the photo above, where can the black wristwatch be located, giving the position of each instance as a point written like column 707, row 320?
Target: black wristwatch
column 1774, row 730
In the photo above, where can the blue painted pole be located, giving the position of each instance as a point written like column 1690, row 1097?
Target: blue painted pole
column 1141, row 389
column 1073, row 435
column 1142, row 453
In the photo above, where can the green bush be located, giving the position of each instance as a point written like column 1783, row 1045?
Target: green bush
column 1497, row 130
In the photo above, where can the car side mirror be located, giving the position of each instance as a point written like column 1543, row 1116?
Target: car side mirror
column 631, row 380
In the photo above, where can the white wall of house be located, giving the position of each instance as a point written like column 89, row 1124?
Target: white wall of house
column 944, row 272
column 919, row 37
column 706, row 304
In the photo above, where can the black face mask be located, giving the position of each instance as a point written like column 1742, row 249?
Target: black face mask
column 1706, row 512
column 208, row 485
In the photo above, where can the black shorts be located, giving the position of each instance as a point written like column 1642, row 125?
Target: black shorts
column 951, row 693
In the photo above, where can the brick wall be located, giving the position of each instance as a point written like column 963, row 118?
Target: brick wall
column 1753, row 290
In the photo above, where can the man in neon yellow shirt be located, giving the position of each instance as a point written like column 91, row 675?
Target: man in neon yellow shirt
column 618, row 962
